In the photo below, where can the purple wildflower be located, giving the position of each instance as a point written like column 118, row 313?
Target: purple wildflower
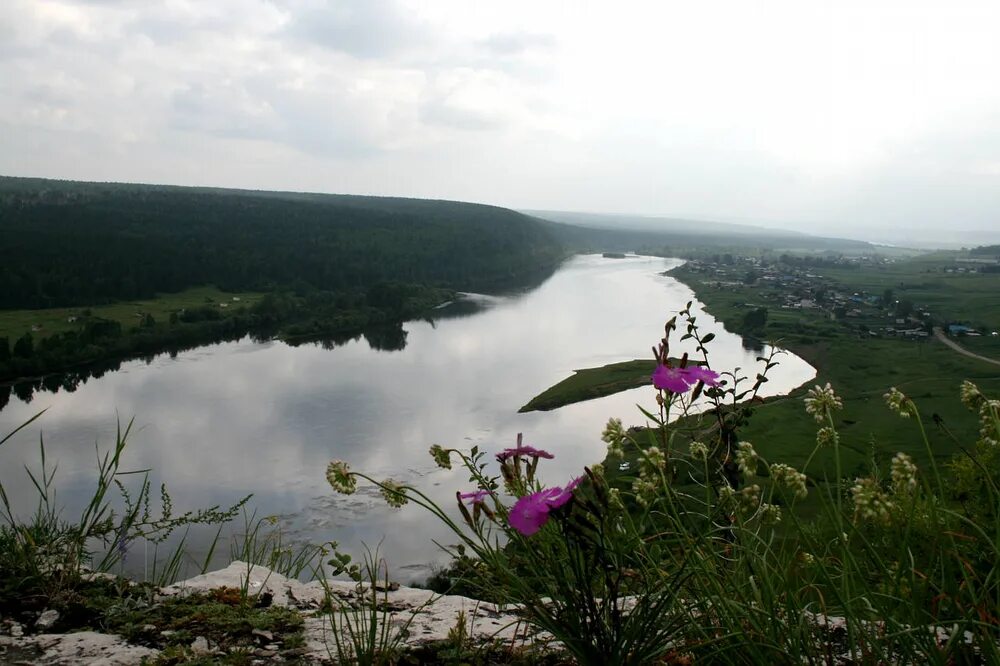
column 530, row 512
column 121, row 546
column 475, row 497
column 702, row 374
column 524, row 451
column 674, row 380
column 679, row 380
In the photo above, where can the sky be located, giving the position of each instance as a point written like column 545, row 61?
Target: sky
column 873, row 119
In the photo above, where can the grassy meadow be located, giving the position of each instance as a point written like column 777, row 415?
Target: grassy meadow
column 43, row 323
column 593, row 383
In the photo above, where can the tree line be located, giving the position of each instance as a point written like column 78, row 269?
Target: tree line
column 68, row 244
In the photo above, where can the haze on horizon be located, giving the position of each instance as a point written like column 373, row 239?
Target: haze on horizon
column 877, row 120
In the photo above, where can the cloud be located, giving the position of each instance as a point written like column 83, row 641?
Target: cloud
column 361, row 28
column 469, row 99
column 517, row 43
column 226, row 109
column 878, row 112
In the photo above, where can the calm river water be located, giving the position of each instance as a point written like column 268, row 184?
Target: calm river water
column 230, row 419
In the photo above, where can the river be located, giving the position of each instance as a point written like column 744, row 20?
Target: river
column 230, row 419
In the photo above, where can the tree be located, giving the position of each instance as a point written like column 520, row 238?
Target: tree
column 25, row 346
column 887, row 297
column 755, row 319
column 904, row 308
column 4, row 350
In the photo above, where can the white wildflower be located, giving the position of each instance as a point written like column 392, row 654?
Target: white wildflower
column 699, row 451
column 790, row 478
column 655, row 458
column 613, row 431
column 970, row 394
column 441, row 456
column 770, row 514
column 746, row 458
column 903, row 474
column 899, row 403
column 820, row 400
column 870, row 501
column 393, row 493
column 339, row 476
column 827, row 436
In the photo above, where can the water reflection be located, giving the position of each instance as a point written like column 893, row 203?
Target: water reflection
column 247, row 416
column 385, row 337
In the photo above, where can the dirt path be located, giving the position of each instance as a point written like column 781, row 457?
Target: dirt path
column 939, row 334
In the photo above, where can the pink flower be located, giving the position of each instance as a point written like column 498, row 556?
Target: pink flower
column 475, row 497
column 679, row 380
column 670, row 379
column 700, row 373
column 524, row 451
column 530, row 512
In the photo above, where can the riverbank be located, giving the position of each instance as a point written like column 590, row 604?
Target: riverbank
column 61, row 347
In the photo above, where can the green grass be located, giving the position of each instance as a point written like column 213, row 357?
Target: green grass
column 14, row 323
column 593, row 383
column 861, row 371
column 986, row 345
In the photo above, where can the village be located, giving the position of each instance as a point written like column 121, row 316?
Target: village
column 815, row 288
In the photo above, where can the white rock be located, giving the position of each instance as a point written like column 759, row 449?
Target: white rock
column 200, row 646
column 256, row 580
column 47, row 619
column 87, row 647
column 417, row 616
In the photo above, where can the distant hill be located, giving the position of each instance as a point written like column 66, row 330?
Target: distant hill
column 640, row 233
column 67, row 243
column 656, row 224
column 986, row 250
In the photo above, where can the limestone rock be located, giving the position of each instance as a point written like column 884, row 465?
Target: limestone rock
column 84, row 647
column 47, row 619
column 417, row 617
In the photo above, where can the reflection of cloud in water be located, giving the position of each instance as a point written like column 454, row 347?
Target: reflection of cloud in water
column 243, row 417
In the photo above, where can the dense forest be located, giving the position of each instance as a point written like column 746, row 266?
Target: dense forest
column 331, row 266
column 66, row 243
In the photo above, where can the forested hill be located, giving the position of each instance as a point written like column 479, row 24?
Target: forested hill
column 65, row 243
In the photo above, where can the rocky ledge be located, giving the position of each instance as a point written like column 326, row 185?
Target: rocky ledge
column 419, row 617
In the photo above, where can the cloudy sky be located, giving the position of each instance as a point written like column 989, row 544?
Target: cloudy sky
column 870, row 118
